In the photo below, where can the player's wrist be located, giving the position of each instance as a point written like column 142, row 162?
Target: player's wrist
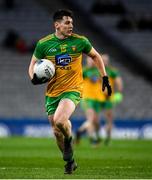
column 105, row 79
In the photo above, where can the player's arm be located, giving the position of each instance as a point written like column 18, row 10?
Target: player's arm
column 31, row 66
column 100, row 65
column 119, row 84
column 118, row 96
column 34, row 79
column 98, row 61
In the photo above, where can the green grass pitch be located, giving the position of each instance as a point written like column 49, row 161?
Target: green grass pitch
column 39, row 158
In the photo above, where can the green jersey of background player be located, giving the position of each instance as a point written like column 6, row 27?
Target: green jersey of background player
column 63, row 92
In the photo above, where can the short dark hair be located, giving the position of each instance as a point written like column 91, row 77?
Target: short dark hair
column 58, row 15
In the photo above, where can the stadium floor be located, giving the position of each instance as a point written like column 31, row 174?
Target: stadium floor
column 39, row 158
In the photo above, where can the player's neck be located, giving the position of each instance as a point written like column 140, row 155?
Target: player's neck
column 59, row 35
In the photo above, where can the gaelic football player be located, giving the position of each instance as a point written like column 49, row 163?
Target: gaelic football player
column 64, row 91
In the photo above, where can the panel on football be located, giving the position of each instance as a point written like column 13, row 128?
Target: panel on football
column 44, row 68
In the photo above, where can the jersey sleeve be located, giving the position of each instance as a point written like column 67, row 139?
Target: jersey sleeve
column 87, row 45
column 38, row 52
column 114, row 73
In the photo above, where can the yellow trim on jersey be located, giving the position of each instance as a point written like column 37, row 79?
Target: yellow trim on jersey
column 49, row 57
column 75, row 55
column 72, row 55
column 46, row 38
column 78, row 36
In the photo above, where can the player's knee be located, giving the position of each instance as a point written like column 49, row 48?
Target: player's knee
column 59, row 122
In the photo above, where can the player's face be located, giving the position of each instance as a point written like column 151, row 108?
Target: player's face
column 65, row 26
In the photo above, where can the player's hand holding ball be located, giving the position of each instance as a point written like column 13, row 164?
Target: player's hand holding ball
column 44, row 70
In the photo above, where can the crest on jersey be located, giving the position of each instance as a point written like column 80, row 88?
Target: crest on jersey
column 63, row 48
column 74, row 48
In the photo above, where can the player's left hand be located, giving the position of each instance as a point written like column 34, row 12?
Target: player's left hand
column 36, row 81
column 105, row 83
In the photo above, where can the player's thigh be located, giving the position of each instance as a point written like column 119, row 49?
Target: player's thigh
column 64, row 110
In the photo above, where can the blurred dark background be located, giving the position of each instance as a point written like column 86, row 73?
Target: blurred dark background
column 121, row 28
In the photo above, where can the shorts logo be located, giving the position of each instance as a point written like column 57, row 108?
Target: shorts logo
column 63, row 59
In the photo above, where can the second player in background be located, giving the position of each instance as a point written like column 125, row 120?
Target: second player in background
column 94, row 100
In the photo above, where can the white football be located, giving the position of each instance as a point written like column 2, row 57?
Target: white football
column 44, row 68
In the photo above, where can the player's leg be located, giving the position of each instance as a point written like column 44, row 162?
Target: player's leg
column 60, row 110
column 91, row 125
column 97, row 129
column 83, row 128
column 95, row 122
column 91, row 117
column 61, row 119
column 62, row 132
column 85, row 105
column 87, row 126
column 94, row 126
column 58, row 134
column 109, row 124
column 51, row 104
